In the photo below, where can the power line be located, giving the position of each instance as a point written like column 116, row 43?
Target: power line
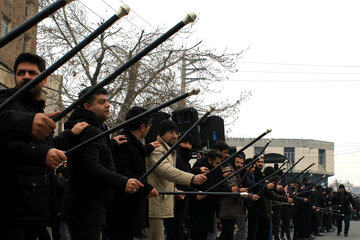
column 300, row 64
column 140, row 17
column 260, row 71
column 290, row 81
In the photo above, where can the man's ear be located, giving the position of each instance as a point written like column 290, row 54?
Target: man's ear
column 142, row 127
column 44, row 81
column 86, row 106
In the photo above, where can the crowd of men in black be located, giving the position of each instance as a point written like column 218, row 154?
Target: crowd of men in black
column 94, row 191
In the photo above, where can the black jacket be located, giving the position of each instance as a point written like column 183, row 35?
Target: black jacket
column 344, row 200
column 202, row 212
column 130, row 211
column 26, row 182
column 92, row 174
column 262, row 207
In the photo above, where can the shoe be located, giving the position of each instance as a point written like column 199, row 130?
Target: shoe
column 345, row 234
column 318, row 235
column 338, row 234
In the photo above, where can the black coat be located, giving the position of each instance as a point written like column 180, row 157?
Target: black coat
column 344, row 200
column 93, row 180
column 262, row 207
column 26, row 182
column 202, row 212
column 130, row 211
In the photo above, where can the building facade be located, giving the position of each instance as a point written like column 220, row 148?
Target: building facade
column 12, row 14
column 319, row 152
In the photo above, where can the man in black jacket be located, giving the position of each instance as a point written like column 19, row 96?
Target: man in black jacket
column 344, row 198
column 128, row 214
column 29, row 156
column 93, row 178
column 202, row 210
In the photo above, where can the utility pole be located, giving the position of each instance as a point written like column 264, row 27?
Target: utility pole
column 185, row 72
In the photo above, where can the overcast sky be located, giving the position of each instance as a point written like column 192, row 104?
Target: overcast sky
column 302, row 64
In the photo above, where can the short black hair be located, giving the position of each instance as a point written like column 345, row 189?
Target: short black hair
column 213, row 154
column 31, row 58
column 135, row 111
column 221, row 145
column 90, row 99
column 268, row 171
column 240, row 155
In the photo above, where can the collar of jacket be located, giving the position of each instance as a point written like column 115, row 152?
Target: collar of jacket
column 163, row 143
column 83, row 115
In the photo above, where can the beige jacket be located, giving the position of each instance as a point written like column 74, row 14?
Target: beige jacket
column 163, row 178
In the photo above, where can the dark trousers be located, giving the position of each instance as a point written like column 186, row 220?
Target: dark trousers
column 85, row 232
column 198, row 234
column 19, row 233
column 276, row 216
column 285, row 222
column 258, row 228
column 174, row 226
column 315, row 222
column 120, row 234
column 346, row 219
column 304, row 223
column 227, row 232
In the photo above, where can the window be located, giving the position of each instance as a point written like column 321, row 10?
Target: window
column 289, row 153
column 5, row 26
column 322, row 156
column 257, row 150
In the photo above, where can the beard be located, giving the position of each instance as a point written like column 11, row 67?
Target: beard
column 35, row 92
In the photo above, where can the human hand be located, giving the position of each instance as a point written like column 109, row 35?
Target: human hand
column 153, row 193
column 204, row 169
column 133, row 185
column 43, row 125
column 199, row 179
column 290, row 200
column 270, row 185
column 79, row 127
column 200, row 197
column 120, row 139
column 235, row 189
column 243, row 190
column 255, row 197
column 180, row 197
column 55, row 157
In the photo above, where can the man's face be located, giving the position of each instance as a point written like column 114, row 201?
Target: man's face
column 144, row 128
column 224, row 153
column 342, row 190
column 170, row 137
column 186, row 145
column 239, row 162
column 26, row 72
column 216, row 162
column 100, row 107
column 260, row 164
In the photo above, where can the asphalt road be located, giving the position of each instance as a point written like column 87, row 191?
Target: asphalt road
column 354, row 233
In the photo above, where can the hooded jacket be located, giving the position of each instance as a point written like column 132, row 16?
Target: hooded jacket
column 93, row 180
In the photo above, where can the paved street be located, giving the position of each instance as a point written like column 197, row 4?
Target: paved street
column 354, row 233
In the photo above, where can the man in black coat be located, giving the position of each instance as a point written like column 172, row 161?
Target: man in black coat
column 29, row 156
column 344, row 198
column 93, row 178
column 202, row 210
column 128, row 214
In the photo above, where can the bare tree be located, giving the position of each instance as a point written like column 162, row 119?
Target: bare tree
column 149, row 82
